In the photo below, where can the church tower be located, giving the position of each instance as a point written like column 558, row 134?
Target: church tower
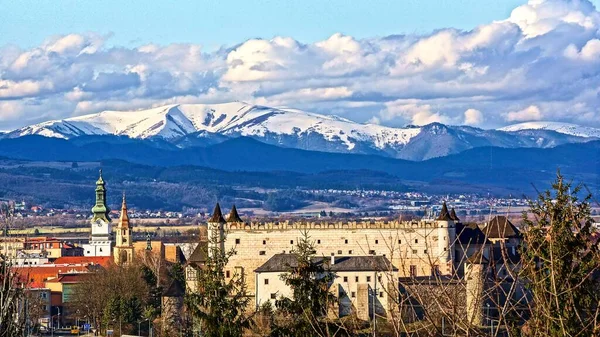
column 123, row 251
column 101, row 239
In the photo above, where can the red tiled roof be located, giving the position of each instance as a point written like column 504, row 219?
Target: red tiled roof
column 41, row 273
column 72, row 278
column 104, row 261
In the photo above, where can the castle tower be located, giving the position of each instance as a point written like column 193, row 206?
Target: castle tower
column 101, row 239
column 216, row 229
column 474, row 279
column 446, row 233
column 123, row 251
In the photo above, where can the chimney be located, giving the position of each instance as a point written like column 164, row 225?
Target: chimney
column 332, row 259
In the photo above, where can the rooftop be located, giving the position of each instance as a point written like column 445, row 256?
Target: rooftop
column 283, row 262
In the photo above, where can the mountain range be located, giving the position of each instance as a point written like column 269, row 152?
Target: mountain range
column 182, row 127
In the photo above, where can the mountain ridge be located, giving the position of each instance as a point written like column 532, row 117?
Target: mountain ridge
column 191, row 125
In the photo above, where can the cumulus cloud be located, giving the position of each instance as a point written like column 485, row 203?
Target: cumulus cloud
column 473, row 117
column 541, row 62
column 531, row 113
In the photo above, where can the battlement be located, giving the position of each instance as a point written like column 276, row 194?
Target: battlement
column 324, row 225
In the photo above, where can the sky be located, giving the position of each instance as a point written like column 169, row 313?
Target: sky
column 476, row 62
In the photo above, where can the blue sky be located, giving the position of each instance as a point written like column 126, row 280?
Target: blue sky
column 476, row 62
column 215, row 23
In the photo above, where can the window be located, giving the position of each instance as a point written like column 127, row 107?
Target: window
column 262, row 252
column 416, row 240
column 399, row 242
column 339, row 252
column 371, row 252
column 318, row 241
column 381, row 294
column 346, row 241
column 227, row 274
column 273, row 296
column 425, row 251
column 379, row 278
column 345, row 278
column 349, row 252
column 237, row 241
column 445, row 248
column 266, row 281
column 413, row 271
column 376, row 241
column 353, row 294
column 356, row 279
column 414, row 251
column 291, row 242
column 264, row 242
column 368, row 278
column 100, row 249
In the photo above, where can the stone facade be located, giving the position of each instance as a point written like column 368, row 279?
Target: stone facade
column 417, row 248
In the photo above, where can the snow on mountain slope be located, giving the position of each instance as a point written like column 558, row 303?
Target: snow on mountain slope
column 564, row 128
column 175, row 121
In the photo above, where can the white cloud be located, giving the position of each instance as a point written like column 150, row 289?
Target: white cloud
column 530, row 113
column 542, row 58
column 473, row 117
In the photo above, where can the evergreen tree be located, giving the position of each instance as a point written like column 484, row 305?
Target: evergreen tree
column 219, row 305
column 309, row 281
column 560, row 263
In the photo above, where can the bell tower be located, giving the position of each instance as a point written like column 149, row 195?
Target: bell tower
column 101, row 239
column 123, row 251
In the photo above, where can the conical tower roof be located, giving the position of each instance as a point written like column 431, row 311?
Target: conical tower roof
column 124, row 218
column 444, row 214
column 234, row 216
column 453, row 215
column 217, row 215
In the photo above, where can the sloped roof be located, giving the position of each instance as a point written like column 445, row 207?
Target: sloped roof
column 283, row 262
column 501, row 228
column 217, row 215
column 470, row 234
column 234, row 216
column 175, row 289
column 444, row 214
column 199, row 255
column 104, row 261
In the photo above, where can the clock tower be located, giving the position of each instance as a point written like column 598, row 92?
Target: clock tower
column 101, row 238
column 123, row 252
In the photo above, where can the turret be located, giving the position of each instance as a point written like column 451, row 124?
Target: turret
column 446, row 236
column 216, row 228
column 234, row 217
column 475, row 267
column 123, row 251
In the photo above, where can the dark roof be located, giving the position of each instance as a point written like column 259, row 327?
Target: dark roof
column 199, row 255
column 217, row 216
column 444, row 214
column 283, row 262
column 470, row 234
column 501, row 228
column 175, row 289
column 234, row 216
column 453, row 215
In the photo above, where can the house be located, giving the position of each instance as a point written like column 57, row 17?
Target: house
column 360, row 283
column 194, row 265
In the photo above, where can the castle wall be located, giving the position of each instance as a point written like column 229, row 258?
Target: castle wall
column 412, row 247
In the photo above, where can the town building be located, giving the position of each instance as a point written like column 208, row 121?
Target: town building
column 123, row 251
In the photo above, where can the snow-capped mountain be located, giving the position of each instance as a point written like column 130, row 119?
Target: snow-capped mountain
column 564, row 128
column 189, row 125
column 277, row 126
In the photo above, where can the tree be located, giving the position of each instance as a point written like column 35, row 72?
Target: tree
column 309, row 281
column 11, row 296
column 219, row 305
column 560, row 263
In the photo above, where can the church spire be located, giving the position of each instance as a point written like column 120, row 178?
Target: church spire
column 124, row 218
column 100, row 209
